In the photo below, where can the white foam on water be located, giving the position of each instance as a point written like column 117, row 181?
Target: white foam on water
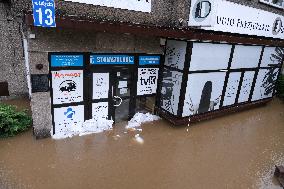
column 91, row 126
column 139, row 139
column 140, row 118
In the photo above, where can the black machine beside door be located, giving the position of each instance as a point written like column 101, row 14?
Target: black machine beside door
column 122, row 88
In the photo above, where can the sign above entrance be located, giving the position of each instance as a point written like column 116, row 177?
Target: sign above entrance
column 111, row 59
column 136, row 5
column 203, row 12
column 66, row 60
column 44, row 13
column 240, row 19
column 149, row 60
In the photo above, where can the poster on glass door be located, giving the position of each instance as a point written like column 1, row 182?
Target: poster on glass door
column 67, row 86
column 147, row 81
column 100, row 110
column 100, row 85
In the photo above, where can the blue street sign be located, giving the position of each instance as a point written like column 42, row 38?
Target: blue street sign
column 66, row 60
column 111, row 59
column 149, row 60
column 44, row 13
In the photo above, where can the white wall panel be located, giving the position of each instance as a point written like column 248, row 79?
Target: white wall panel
column 265, row 83
column 175, row 54
column 246, row 86
column 272, row 56
column 246, row 56
column 232, row 88
column 171, row 86
column 203, row 92
column 208, row 56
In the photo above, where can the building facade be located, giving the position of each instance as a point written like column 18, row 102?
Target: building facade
column 120, row 44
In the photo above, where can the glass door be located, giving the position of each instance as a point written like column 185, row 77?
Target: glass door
column 122, row 85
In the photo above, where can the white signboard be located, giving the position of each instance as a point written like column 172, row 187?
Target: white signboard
column 203, row 12
column 147, row 81
column 100, row 85
column 136, row 5
column 68, row 118
column 67, row 86
column 236, row 18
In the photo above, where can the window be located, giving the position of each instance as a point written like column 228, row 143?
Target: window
column 274, row 3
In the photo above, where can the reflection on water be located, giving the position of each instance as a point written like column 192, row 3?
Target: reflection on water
column 235, row 151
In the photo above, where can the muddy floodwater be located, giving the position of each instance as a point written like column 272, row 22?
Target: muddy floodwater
column 235, row 151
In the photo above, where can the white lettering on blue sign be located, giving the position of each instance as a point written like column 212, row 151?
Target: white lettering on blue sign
column 44, row 13
column 111, row 59
column 149, row 60
column 66, row 60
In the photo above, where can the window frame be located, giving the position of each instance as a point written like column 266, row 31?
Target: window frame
column 270, row 2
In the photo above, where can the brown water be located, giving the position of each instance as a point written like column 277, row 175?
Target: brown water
column 236, row 151
column 20, row 103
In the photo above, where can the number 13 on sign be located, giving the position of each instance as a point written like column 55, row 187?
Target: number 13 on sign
column 44, row 13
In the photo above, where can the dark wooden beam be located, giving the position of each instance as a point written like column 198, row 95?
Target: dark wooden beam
column 165, row 32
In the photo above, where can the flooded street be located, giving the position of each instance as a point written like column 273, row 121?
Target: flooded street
column 234, row 151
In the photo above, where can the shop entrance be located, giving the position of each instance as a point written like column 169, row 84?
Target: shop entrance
column 101, row 86
column 112, row 93
column 122, row 91
column 113, row 85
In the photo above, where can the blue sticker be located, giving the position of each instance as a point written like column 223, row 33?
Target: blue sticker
column 111, row 59
column 149, row 60
column 66, row 60
column 44, row 13
column 69, row 113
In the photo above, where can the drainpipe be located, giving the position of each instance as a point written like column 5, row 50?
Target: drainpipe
column 26, row 56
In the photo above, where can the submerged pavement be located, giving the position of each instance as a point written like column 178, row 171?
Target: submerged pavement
column 234, row 151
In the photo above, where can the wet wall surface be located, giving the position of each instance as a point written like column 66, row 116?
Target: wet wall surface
column 234, row 151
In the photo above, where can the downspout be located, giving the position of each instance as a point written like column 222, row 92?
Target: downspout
column 26, row 56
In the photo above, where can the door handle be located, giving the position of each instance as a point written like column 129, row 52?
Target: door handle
column 117, row 97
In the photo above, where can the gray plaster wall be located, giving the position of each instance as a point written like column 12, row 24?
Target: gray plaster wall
column 12, row 67
column 55, row 40
column 41, row 108
column 161, row 13
column 164, row 12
